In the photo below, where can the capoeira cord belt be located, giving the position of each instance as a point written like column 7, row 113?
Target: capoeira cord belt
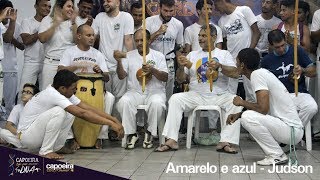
column 293, row 160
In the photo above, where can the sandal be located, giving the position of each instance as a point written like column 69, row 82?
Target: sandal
column 168, row 148
column 231, row 149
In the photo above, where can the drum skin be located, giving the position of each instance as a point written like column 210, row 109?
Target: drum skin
column 86, row 133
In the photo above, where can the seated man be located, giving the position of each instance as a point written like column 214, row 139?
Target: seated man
column 83, row 58
column 154, row 95
column 45, row 123
column 9, row 134
column 280, row 63
column 199, row 92
column 273, row 116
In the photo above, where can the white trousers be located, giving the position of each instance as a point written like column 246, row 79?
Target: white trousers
column 116, row 86
column 50, row 68
column 30, row 73
column 170, row 85
column 306, row 106
column 127, row 107
column 49, row 131
column 187, row 101
column 10, row 82
column 108, row 105
column 269, row 131
column 10, row 138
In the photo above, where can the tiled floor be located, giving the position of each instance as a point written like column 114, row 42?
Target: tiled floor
column 143, row 164
column 140, row 163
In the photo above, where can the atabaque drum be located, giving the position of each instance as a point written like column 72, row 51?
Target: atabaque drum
column 90, row 91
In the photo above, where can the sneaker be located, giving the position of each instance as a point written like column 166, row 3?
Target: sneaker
column 132, row 139
column 273, row 160
column 148, row 138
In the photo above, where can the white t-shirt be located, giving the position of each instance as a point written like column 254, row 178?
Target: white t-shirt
column 237, row 28
column 15, row 114
column 134, row 62
column 165, row 43
column 112, row 31
column 315, row 26
column 2, row 31
column 198, row 80
column 42, row 102
column 283, row 29
column 10, row 61
column 80, row 21
column 85, row 59
column 33, row 53
column 61, row 39
column 191, row 36
column 265, row 26
column 281, row 104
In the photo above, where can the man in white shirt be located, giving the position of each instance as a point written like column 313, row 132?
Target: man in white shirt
column 83, row 58
column 273, row 118
column 266, row 20
column 166, row 34
column 191, row 32
column 287, row 11
column 315, row 36
column 45, row 123
column 115, row 29
column 239, row 29
column 315, row 31
column 34, row 52
column 9, row 62
column 8, row 35
column 154, row 95
column 9, row 134
column 136, row 12
column 196, row 66
column 191, row 41
column 85, row 9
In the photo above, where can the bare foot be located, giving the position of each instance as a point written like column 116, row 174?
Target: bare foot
column 66, row 150
column 2, row 141
column 170, row 145
column 74, row 145
column 53, row 155
column 98, row 144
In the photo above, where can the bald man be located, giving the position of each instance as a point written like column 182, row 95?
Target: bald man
column 83, row 58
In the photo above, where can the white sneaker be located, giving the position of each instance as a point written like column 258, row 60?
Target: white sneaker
column 147, row 143
column 273, row 160
column 132, row 141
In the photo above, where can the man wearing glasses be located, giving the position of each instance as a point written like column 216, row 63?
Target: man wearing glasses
column 8, row 135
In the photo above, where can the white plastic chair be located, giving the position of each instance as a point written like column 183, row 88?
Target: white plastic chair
column 308, row 142
column 160, row 128
column 196, row 113
column 307, row 128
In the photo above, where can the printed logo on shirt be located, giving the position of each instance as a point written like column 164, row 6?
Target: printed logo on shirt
column 234, row 27
column 116, row 27
column 285, row 70
column 201, row 69
column 151, row 62
column 165, row 39
column 84, row 63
